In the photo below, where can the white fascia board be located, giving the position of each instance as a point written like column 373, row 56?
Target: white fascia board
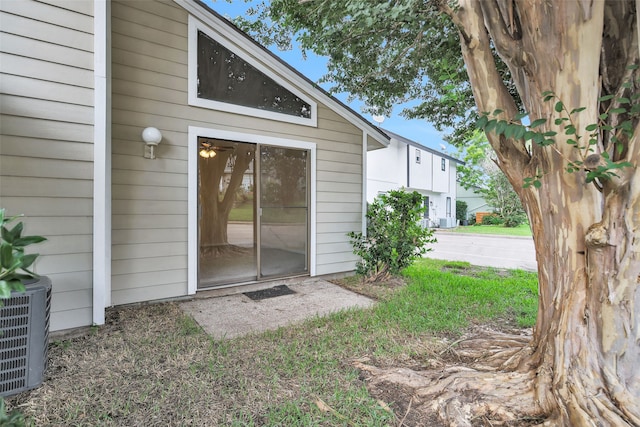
column 261, row 55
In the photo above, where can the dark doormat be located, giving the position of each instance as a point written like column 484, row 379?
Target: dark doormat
column 276, row 291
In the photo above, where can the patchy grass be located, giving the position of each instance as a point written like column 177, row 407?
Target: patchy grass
column 152, row 365
column 521, row 230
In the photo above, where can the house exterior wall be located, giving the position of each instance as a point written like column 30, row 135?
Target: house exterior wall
column 475, row 201
column 46, row 150
column 149, row 197
column 397, row 167
column 386, row 169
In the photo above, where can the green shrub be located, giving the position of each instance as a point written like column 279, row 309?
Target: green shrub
column 394, row 237
column 461, row 210
column 515, row 220
column 493, row 219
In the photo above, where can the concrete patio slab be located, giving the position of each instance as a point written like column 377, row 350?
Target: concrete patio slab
column 234, row 315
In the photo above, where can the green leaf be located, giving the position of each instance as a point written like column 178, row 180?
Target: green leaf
column 490, row 125
column 538, row 138
column 27, row 260
column 537, row 183
column 606, row 98
column 509, row 131
column 592, row 127
column 5, row 290
column 559, row 106
column 497, row 111
column 520, row 132
column 570, row 130
column 623, row 100
column 603, row 116
column 577, row 110
column 482, row 122
column 560, row 120
column 500, row 127
column 6, row 255
column 620, row 110
column 547, row 93
column 28, row 240
column 537, row 123
column 520, row 116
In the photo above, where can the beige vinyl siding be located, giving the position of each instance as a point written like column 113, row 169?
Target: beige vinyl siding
column 46, row 154
column 149, row 85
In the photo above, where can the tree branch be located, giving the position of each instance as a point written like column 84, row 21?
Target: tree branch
column 503, row 39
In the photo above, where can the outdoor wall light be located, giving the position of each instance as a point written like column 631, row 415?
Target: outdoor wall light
column 151, row 137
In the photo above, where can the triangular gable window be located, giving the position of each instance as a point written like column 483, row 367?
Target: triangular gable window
column 224, row 76
column 226, row 81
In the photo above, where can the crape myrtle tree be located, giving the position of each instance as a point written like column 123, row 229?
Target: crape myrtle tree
column 570, row 65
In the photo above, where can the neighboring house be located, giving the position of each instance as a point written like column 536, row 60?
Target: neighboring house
column 410, row 165
column 475, row 201
column 81, row 80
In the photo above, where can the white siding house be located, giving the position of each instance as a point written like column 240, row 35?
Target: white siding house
column 81, row 80
column 414, row 167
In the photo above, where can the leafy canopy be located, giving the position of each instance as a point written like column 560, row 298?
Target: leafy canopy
column 386, row 54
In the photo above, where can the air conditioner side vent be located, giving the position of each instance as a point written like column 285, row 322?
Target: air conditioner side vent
column 24, row 338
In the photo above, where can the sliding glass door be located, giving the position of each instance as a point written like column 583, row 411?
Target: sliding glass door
column 283, row 211
column 253, row 212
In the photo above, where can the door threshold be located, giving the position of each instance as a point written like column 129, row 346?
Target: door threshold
column 239, row 288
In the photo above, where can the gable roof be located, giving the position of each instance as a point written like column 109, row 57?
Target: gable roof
column 212, row 18
column 408, row 141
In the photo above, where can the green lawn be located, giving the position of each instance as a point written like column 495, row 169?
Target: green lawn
column 521, row 230
column 243, row 212
column 159, row 368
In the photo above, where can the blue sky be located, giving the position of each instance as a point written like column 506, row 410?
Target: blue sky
column 314, row 67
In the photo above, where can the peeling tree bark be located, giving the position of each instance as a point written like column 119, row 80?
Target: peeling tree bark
column 585, row 349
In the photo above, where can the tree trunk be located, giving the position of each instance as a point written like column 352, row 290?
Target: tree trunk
column 585, row 347
column 217, row 197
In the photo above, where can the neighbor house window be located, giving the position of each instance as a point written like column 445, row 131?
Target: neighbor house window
column 425, row 204
column 443, row 164
column 223, row 79
column 417, row 156
column 448, row 206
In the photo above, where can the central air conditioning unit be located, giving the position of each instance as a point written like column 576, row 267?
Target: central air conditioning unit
column 448, row 222
column 24, row 338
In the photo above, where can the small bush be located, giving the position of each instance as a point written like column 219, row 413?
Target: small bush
column 461, row 210
column 492, row 219
column 515, row 220
column 395, row 237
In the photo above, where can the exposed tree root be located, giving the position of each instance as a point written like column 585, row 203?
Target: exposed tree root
column 224, row 250
column 480, row 393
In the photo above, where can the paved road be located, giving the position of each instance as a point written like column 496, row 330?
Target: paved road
column 492, row 251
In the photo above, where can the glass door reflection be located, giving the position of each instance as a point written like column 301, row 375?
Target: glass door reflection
column 227, row 233
column 283, row 207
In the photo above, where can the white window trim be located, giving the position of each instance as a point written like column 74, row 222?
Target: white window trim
column 194, row 133
column 195, row 26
